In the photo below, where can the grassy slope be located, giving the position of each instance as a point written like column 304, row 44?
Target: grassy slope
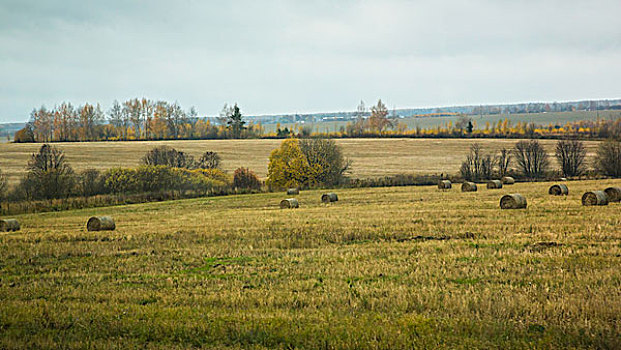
column 382, row 268
column 371, row 157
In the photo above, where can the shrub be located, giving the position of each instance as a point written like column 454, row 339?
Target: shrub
column 49, row 175
column 532, row 158
column 570, row 155
column 209, row 160
column 326, row 159
column 3, row 188
column 90, row 183
column 246, row 179
column 608, row 158
column 156, row 178
column 120, row 180
column 168, row 156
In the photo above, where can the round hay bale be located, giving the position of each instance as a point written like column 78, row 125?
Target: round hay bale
column 101, row 223
column 329, row 197
column 613, row 193
column 559, row 190
column 444, row 184
column 468, row 187
column 595, row 198
column 289, row 203
column 507, row 180
column 513, row 201
column 7, row 225
column 494, row 184
column 292, row 191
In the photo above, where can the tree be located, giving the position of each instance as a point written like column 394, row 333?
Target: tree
column 288, row 167
column 608, row 158
column 118, row 119
column 209, row 160
column 532, row 158
column 504, row 161
column 463, row 123
column 90, row 117
column 378, row 120
column 168, row 156
column 24, row 135
column 326, row 158
column 49, row 175
column 570, row 155
column 235, row 122
column 246, row 179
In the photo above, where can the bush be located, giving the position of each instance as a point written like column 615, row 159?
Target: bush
column 49, row 175
column 570, row 155
column 608, row 158
column 246, row 179
column 168, row 156
column 119, row 180
column 209, row 160
column 90, row 183
column 532, row 159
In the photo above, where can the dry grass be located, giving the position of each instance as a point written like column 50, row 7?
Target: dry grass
column 401, row 267
column 371, row 157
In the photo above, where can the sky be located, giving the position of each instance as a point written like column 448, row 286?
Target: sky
column 306, row 56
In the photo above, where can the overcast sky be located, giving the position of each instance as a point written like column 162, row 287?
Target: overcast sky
column 306, row 56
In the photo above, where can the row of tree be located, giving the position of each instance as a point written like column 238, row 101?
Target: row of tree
column 532, row 161
column 134, row 119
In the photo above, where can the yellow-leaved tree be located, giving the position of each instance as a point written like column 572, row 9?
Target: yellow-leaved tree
column 288, row 167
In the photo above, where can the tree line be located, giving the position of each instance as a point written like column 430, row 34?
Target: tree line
column 134, row 119
column 144, row 119
column 529, row 160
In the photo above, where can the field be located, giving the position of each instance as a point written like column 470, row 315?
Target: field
column 556, row 118
column 371, row 157
column 384, row 268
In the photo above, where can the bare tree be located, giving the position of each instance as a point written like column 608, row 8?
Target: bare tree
column 532, row 158
column 209, row 160
column 570, row 155
column 49, row 174
column 504, row 161
column 608, row 158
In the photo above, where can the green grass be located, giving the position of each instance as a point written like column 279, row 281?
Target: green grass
column 383, row 268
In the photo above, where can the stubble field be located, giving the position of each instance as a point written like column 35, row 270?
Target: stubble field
column 371, row 157
column 383, row 268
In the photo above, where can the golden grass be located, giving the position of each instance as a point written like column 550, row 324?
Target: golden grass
column 371, row 157
column 401, row 267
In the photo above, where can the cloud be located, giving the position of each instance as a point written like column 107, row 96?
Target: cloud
column 303, row 56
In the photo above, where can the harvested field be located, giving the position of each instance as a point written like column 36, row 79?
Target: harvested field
column 371, row 157
column 399, row 268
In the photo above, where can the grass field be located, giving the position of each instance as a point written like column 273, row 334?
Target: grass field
column 384, row 268
column 371, row 157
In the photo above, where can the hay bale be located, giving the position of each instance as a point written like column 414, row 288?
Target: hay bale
column 494, row 184
column 292, row 191
column 507, row 180
column 468, row 187
column 559, row 190
column 101, row 223
column 513, row 201
column 329, row 197
column 444, row 184
column 595, row 198
column 289, row 203
column 613, row 193
column 7, row 225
